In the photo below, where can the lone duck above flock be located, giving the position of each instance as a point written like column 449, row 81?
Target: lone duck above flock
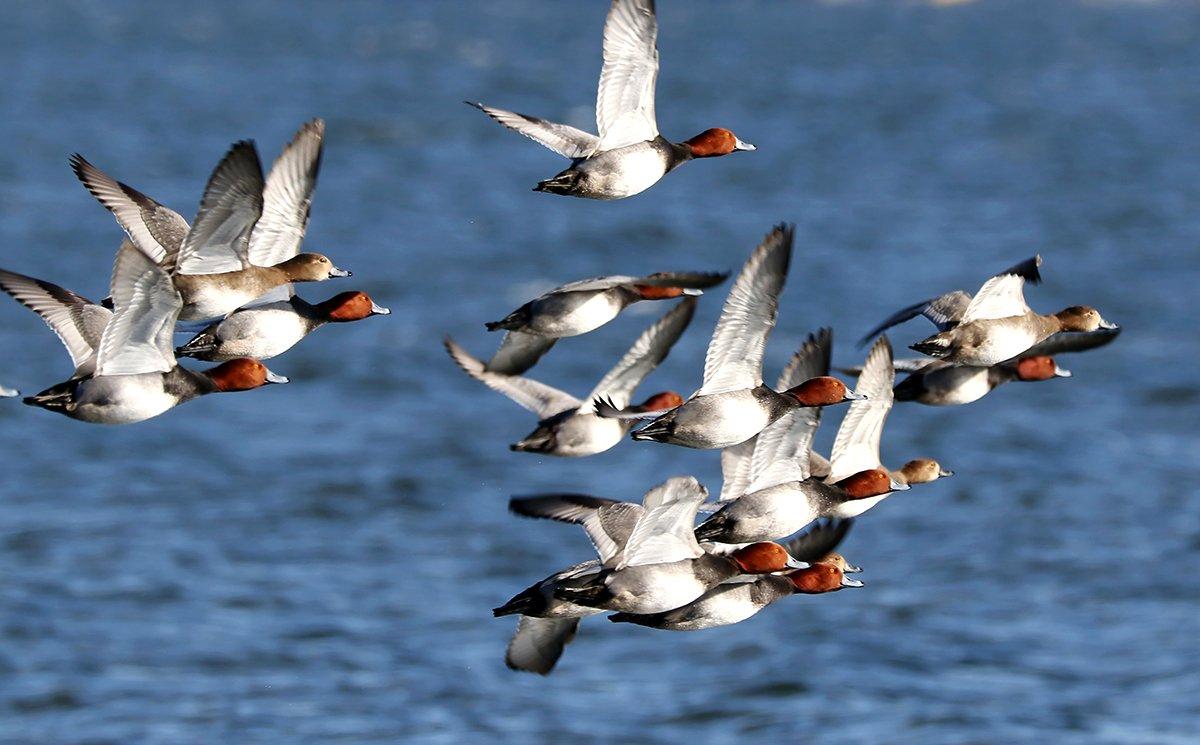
column 232, row 270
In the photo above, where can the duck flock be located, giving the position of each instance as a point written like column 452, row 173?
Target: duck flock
column 674, row 560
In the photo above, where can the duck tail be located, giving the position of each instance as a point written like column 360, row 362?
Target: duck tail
column 591, row 595
column 55, row 398
column 656, row 431
column 934, row 346
column 542, row 440
column 637, row 618
column 199, row 347
column 909, row 389
column 713, row 528
column 566, row 182
column 514, row 321
column 525, row 603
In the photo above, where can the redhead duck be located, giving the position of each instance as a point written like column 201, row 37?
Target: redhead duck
column 629, row 155
column 941, row 384
column 661, row 565
column 269, row 330
column 246, row 236
column 579, row 307
column 125, row 370
column 996, row 324
column 570, row 427
column 733, row 405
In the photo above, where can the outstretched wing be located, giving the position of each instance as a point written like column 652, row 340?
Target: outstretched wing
column 139, row 338
column 856, row 447
column 734, row 358
column 666, row 532
column 818, row 539
column 625, row 99
column 1072, row 341
column 1003, row 295
column 566, row 508
column 538, row 643
column 944, row 311
column 541, row 399
column 157, row 231
column 647, row 352
column 78, row 322
column 518, row 352
column 565, row 140
column 232, row 203
column 287, row 197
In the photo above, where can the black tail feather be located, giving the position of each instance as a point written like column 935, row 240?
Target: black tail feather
column 592, row 595
column 564, row 183
column 932, row 348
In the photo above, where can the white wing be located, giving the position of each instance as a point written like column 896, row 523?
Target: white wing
column 735, row 469
column 562, row 139
column 610, row 528
column 78, row 322
column 734, row 359
column 233, row 201
column 539, row 398
column 625, row 100
column 156, row 230
column 286, row 198
column 518, row 352
column 538, row 643
column 856, row 447
column 666, row 532
column 138, row 339
column 647, row 352
column 1003, row 295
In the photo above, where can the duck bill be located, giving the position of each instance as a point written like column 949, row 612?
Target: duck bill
column 336, row 272
column 276, row 378
column 848, row 582
column 897, row 486
column 692, row 291
column 1108, row 325
column 945, row 473
column 379, row 310
column 793, row 563
column 852, row 396
column 1060, row 372
column 851, row 569
column 742, row 145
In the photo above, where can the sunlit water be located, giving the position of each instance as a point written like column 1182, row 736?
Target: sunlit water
column 316, row 562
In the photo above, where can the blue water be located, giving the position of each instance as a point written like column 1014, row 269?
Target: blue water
column 315, row 563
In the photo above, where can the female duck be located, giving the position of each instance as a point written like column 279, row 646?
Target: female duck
column 568, row 426
column 266, row 331
column 125, row 370
column 996, row 324
column 246, row 236
column 579, row 307
column 733, row 405
column 629, row 155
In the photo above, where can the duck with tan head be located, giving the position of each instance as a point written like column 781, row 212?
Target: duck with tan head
column 266, row 331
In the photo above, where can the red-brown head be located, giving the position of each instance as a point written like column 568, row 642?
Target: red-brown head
column 763, row 558
column 821, row 578
column 662, row 401
column 716, row 141
column 1040, row 367
column 822, row 391
column 1082, row 318
column 655, row 292
column 242, row 374
column 351, row 306
column 872, row 483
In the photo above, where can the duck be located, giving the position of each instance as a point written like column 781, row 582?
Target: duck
column 735, row 601
column 569, row 427
column 938, row 383
column 769, row 488
column 661, row 565
column 579, row 307
column 268, row 330
column 996, row 324
column 125, row 368
column 245, row 240
column 732, row 404
column 629, row 155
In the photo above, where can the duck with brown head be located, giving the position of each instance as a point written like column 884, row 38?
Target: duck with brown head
column 266, row 331
column 629, row 155
column 941, row 384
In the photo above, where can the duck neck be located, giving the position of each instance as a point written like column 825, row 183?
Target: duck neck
column 185, row 384
column 314, row 316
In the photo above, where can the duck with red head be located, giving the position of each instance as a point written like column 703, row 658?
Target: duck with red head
column 941, row 384
column 629, row 155
column 570, row 427
column 243, row 374
column 268, row 330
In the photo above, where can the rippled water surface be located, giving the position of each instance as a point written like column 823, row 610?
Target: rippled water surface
column 315, row 563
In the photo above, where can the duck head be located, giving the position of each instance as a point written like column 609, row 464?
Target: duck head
column 822, row 391
column 351, row 306
column 1082, row 318
column 838, row 561
column 821, row 578
column 242, row 374
column 873, row 482
column 1040, row 367
column 764, row 558
column 662, row 401
column 923, row 470
column 716, row 141
column 310, row 267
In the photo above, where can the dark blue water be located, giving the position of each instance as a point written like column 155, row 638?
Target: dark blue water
column 316, row 562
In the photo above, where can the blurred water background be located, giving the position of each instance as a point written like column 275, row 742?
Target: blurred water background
column 316, row 562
